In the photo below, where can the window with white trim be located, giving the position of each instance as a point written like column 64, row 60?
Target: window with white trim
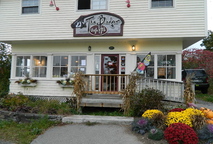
column 23, row 66
column 39, row 66
column 78, row 63
column 161, row 3
column 60, row 66
column 30, row 6
column 149, row 71
column 166, row 66
column 65, row 66
column 92, row 4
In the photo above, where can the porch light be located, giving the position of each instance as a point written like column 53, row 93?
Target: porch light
column 89, row 48
column 133, row 47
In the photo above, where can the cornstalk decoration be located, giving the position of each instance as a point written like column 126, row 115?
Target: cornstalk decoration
column 79, row 88
column 189, row 95
column 129, row 91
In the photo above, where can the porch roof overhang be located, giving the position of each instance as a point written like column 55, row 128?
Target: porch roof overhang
column 186, row 41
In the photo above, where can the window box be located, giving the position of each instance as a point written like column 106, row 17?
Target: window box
column 29, row 85
column 66, row 86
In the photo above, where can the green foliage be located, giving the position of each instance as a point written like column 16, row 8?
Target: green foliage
column 206, row 133
column 14, row 102
column 142, row 125
column 148, row 98
column 205, row 97
column 208, row 41
column 198, row 58
column 22, row 103
column 5, row 63
column 156, row 134
column 24, row 133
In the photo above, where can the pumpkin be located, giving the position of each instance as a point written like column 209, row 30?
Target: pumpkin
column 210, row 121
column 209, row 114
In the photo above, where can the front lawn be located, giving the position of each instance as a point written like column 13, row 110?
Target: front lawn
column 24, row 133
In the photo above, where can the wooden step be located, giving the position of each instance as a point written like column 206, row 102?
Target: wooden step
column 101, row 100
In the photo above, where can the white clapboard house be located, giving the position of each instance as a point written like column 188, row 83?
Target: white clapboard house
column 104, row 39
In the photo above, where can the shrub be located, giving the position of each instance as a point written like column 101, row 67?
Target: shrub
column 14, row 102
column 180, row 133
column 21, row 103
column 183, row 117
column 176, row 110
column 150, row 113
column 148, row 98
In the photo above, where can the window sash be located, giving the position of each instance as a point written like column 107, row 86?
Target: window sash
column 162, row 3
column 39, row 66
column 92, row 4
column 30, row 6
column 23, row 66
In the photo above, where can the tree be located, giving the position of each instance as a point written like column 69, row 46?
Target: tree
column 5, row 63
column 208, row 41
column 198, row 58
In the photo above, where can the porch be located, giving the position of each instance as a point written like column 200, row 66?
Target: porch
column 104, row 90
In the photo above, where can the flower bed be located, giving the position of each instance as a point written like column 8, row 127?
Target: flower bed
column 179, row 126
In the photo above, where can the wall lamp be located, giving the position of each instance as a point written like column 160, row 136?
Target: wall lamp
column 133, row 47
column 89, row 48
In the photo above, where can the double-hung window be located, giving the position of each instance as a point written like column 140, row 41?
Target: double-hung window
column 65, row 66
column 39, row 66
column 166, row 66
column 161, row 3
column 23, row 66
column 78, row 63
column 60, row 66
column 149, row 71
column 92, row 4
column 30, row 6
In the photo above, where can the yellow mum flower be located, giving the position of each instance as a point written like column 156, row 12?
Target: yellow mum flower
column 149, row 113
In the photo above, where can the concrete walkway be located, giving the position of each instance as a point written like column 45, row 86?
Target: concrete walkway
column 85, row 134
column 87, row 129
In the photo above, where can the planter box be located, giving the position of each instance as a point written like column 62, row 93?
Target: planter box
column 66, row 86
column 28, row 85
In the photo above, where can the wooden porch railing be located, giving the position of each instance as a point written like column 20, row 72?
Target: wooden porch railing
column 105, row 83
column 116, row 84
column 172, row 90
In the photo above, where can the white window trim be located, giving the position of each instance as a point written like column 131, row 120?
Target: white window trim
column 39, row 8
column 169, row 7
column 82, row 10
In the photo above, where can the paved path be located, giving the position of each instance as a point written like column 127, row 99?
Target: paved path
column 84, row 134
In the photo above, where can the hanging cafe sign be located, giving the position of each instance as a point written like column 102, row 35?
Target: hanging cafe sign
column 98, row 24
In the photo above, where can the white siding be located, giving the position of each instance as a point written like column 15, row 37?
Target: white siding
column 186, row 19
column 43, row 88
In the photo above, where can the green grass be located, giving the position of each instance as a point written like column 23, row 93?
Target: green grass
column 24, row 133
column 205, row 97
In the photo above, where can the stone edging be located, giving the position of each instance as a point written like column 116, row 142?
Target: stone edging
column 26, row 117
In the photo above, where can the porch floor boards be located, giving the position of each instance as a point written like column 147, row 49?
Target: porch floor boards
column 102, row 100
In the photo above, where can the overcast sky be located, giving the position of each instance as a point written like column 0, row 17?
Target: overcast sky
column 210, row 22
